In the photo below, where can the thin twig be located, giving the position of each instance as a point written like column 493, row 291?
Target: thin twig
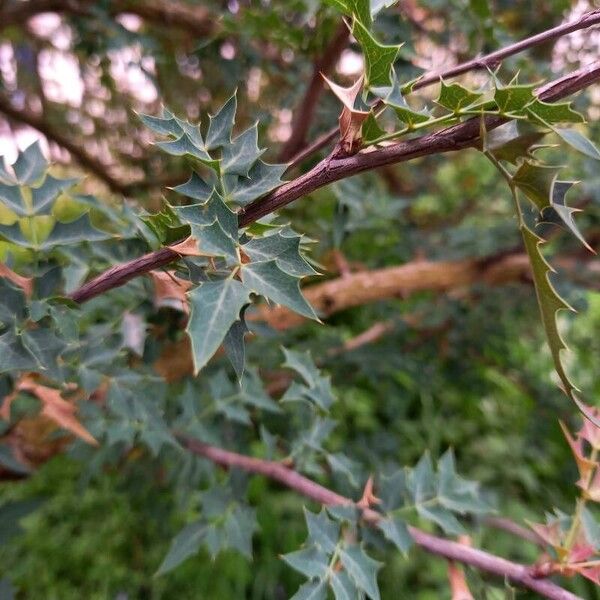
column 457, row 137
column 489, row 60
column 514, row 572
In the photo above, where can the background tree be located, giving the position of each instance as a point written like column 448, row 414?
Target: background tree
column 168, row 394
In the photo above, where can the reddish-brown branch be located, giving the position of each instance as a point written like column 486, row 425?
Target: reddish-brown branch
column 332, row 169
column 303, row 116
column 516, row 573
column 489, row 60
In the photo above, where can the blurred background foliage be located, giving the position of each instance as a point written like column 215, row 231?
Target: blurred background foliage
column 467, row 369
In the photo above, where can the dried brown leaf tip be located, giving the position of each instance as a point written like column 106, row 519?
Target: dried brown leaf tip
column 54, row 407
column 351, row 119
column 189, row 247
column 170, row 290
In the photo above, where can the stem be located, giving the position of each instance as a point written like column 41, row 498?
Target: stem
column 513, row 572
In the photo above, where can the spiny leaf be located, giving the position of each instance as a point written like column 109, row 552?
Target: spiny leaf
column 362, row 569
column 262, row 178
column 549, row 302
column 311, row 562
column 379, row 58
column 512, row 141
column 221, row 124
column 342, row 586
column 579, row 142
column 30, row 165
column 559, row 192
column 268, row 280
column 215, row 306
column 285, row 250
column 241, row 153
column 393, row 97
column 322, row 531
column 359, row 9
column 185, row 544
column 196, row 188
column 514, row 98
column 554, row 112
column 396, row 531
column 536, row 182
column 455, row 97
column 233, row 344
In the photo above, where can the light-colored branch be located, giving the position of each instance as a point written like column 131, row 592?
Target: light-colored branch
column 332, row 169
column 515, row 573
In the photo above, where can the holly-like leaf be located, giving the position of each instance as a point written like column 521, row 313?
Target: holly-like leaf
column 577, row 140
column 284, row 249
column 456, row 97
column 514, row 98
column 396, row 531
column 512, row 141
column 559, row 192
column 318, row 387
column 234, row 346
column 379, row 58
column 554, row 112
column 221, row 124
column 185, row 544
column 262, row 178
column 393, row 97
column 322, row 531
column 311, row 562
column 362, row 570
column 239, row 156
column 215, row 306
column 268, row 280
column 30, row 165
column 549, row 302
column 342, row 586
column 359, row 9
column 536, row 182
column 196, row 188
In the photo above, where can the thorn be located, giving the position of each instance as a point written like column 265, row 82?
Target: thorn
column 368, row 497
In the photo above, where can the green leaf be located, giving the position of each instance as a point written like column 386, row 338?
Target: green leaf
column 233, row 344
column 549, row 302
column 165, row 125
column 514, row 98
column 311, row 590
column 456, row 97
column 311, row 562
column 240, row 526
column 379, row 58
column 75, row 232
column 185, row 544
column 285, row 250
column 43, row 197
column 319, row 389
column 221, row 124
column 559, row 192
column 14, row 356
column 30, row 165
column 536, row 182
column 579, row 142
column 261, row 179
column 322, row 531
column 442, row 517
column 513, row 140
column 196, row 188
column 362, row 569
column 396, row 531
column 393, row 97
column 371, row 130
column 342, row 586
column 215, row 306
column 267, row 279
column 359, row 9
column 554, row 112
column 242, row 153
